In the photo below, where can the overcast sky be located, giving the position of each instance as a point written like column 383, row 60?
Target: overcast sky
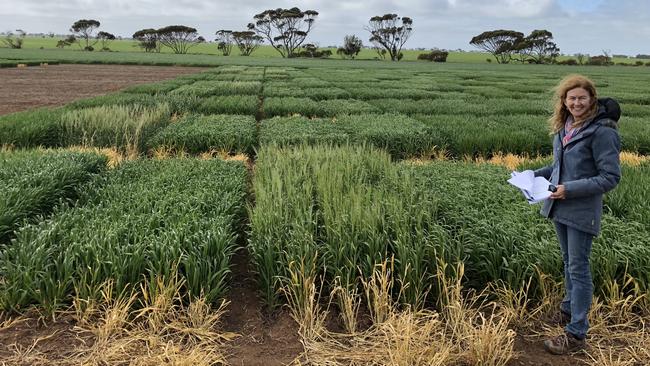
column 587, row 26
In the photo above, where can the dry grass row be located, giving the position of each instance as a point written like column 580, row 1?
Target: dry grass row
column 162, row 330
column 469, row 329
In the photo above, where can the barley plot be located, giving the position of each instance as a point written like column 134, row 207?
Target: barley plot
column 34, row 182
column 153, row 216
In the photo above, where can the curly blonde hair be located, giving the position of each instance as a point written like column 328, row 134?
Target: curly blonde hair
column 560, row 111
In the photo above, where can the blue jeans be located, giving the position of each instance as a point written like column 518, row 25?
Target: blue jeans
column 576, row 249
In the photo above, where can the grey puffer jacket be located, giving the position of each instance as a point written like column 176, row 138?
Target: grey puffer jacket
column 588, row 166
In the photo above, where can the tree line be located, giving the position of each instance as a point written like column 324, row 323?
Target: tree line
column 286, row 30
column 507, row 45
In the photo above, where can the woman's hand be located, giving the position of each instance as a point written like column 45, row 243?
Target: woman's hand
column 559, row 194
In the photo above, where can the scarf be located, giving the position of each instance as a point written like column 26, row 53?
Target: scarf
column 569, row 130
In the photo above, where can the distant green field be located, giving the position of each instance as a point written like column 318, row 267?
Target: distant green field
column 265, row 51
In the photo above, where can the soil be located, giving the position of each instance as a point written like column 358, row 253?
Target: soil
column 265, row 339
column 25, row 88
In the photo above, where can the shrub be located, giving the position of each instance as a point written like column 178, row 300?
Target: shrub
column 311, row 51
column 434, row 56
column 599, row 61
column 570, row 62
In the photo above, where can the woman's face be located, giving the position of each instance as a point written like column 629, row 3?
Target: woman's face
column 578, row 102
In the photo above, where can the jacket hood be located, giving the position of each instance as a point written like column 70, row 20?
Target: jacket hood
column 608, row 109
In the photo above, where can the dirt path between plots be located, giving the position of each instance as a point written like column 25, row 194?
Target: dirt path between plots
column 23, row 88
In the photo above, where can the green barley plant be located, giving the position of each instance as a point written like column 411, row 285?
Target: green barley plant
column 350, row 208
column 162, row 87
column 296, row 130
column 325, row 93
column 369, row 93
column 197, row 133
column 477, row 106
column 141, row 223
column 124, row 127
column 471, row 135
column 34, row 182
column 506, row 239
column 230, row 104
column 38, row 127
column 117, row 99
column 628, row 200
column 214, row 88
column 310, row 82
column 635, row 110
column 635, row 134
column 282, row 89
column 287, row 106
column 400, row 135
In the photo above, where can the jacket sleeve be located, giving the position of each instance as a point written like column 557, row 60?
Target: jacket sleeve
column 544, row 172
column 606, row 148
column 548, row 170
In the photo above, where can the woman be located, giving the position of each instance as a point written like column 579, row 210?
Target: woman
column 586, row 164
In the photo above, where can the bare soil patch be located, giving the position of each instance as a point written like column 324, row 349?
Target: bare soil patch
column 38, row 86
column 265, row 340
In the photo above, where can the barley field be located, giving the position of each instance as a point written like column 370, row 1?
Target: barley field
column 375, row 193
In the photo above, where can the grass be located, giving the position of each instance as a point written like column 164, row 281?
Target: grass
column 464, row 135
